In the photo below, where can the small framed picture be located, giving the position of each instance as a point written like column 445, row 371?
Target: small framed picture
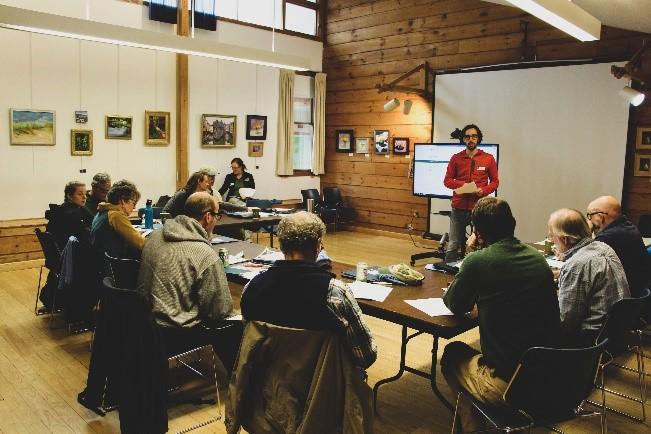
column 118, row 127
column 81, row 142
column 157, row 128
column 32, row 127
column 345, row 140
column 81, row 116
column 381, row 141
column 362, row 144
column 256, row 149
column 401, row 145
column 218, row 131
column 642, row 165
column 643, row 139
column 256, row 127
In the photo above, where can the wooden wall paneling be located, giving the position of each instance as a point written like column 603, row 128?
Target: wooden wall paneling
column 18, row 241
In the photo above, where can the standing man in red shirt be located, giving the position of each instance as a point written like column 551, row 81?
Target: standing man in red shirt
column 469, row 165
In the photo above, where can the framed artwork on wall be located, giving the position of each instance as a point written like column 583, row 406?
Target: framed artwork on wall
column 218, row 131
column 32, row 127
column 81, row 142
column 344, row 140
column 256, row 149
column 643, row 138
column 642, row 165
column 118, row 127
column 81, row 116
column 381, row 141
column 362, row 145
column 256, row 127
column 157, row 128
column 401, row 145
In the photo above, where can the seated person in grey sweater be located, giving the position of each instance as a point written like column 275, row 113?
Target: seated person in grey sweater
column 591, row 280
column 184, row 278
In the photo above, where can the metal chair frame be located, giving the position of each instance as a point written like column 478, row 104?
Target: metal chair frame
column 530, row 422
column 40, row 235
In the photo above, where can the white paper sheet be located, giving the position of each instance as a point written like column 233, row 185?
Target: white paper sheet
column 468, row 187
column 554, row 263
column 236, row 259
column 370, row 291
column 431, row 306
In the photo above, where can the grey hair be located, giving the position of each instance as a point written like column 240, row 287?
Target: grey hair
column 123, row 190
column 99, row 179
column 300, row 231
column 569, row 223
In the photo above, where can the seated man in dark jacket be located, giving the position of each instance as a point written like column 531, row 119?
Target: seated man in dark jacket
column 297, row 293
column 610, row 226
column 514, row 290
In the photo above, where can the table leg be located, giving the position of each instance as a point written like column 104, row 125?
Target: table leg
column 403, row 353
column 435, row 389
column 271, row 236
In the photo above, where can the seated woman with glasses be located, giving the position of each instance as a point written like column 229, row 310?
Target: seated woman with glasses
column 112, row 232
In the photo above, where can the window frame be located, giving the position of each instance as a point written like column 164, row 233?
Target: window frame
column 318, row 7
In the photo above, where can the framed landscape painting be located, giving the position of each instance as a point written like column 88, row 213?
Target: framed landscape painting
column 32, row 127
column 81, row 142
column 256, row 127
column 157, row 128
column 218, row 131
column 118, row 127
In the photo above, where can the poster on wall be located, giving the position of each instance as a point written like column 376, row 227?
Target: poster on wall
column 218, row 131
column 157, row 128
column 32, row 127
column 119, row 127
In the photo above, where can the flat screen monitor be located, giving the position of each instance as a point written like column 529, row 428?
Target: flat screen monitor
column 431, row 161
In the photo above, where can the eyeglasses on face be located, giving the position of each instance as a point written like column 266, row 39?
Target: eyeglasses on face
column 215, row 214
column 470, row 136
column 590, row 214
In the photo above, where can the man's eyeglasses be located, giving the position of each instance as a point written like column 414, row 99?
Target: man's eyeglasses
column 590, row 214
column 215, row 214
column 470, row 136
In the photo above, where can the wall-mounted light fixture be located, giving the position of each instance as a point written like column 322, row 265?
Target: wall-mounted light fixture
column 406, row 107
column 633, row 96
column 392, row 104
column 85, row 30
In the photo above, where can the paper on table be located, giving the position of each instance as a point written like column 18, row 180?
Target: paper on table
column 237, row 317
column 370, row 291
column 555, row 263
column 468, row 187
column 236, row 259
column 431, row 306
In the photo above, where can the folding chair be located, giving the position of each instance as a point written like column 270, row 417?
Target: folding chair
column 549, row 386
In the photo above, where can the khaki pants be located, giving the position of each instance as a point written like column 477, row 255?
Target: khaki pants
column 462, row 367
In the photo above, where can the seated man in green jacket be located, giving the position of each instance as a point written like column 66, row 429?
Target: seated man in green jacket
column 514, row 290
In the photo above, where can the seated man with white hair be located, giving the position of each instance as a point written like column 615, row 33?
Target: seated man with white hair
column 297, row 293
column 591, row 280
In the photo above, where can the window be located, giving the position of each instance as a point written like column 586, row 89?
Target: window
column 303, row 139
column 302, row 16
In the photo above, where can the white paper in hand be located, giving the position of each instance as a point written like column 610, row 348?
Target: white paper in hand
column 468, row 187
column 370, row 291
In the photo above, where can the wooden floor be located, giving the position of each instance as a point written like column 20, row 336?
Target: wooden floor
column 42, row 370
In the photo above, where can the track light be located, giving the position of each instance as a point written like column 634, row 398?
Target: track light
column 406, row 107
column 391, row 104
column 633, row 96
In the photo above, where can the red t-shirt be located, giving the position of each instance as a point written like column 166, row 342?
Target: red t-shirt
column 462, row 169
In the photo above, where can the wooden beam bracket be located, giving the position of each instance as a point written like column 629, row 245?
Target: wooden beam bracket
column 425, row 92
column 633, row 69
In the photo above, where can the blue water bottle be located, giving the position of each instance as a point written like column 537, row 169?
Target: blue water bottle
column 149, row 215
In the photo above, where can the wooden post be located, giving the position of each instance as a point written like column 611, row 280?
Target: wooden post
column 183, row 29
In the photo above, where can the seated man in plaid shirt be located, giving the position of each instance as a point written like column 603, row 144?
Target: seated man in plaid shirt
column 297, row 293
column 591, row 280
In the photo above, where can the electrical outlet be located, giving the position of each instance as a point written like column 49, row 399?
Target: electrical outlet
column 82, row 170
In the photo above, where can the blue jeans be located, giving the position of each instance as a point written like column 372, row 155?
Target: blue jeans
column 456, row 248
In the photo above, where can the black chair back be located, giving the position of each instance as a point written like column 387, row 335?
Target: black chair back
column 124, row 272
column 50, row 250
column 332, row 197
column 549, row 383
column 622, row 318
column 162, row 201
column 52, row 209
column 311, row 193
